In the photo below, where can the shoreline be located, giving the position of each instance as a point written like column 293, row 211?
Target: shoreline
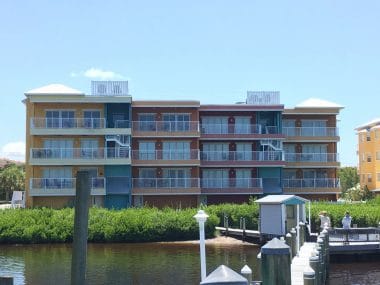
column 219, row 240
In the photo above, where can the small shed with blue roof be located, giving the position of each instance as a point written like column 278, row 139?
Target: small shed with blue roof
column 280, row 213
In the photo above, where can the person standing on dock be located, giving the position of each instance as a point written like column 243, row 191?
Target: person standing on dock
column 346, row 221
column 325, row 220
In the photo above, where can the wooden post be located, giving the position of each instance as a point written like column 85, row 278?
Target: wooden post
column 79, row 249
column 275, row 267
column 6, row 280
column 327, row 242
column 294, row 241
column 308, row 276
column 323, row 256
column 247, row 273
column 259, row 267
column 314, row 264
column 302, row 233
column 288, row 240
column 226, row 224
column 320, row 265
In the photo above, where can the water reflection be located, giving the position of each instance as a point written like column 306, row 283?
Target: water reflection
column 154, row 263
column 174, row 263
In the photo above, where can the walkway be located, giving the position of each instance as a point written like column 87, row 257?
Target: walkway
column 5, row 206
column 301, row 262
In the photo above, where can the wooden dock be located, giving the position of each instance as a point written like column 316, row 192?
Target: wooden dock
column 239, row 232
column 300, row 263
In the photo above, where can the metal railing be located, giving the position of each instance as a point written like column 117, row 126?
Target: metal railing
column 311, row 183
column 221, row 129
column 242, row 155
column 190, row 154
column 354, row 235
column 231, row 183
column 165, row 126
column 80, row 153
column 311, row 157
column 165, row 182
column 310, row 131
column 63, row 183
column 75, row 123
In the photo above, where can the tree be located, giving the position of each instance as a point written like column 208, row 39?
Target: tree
column 349, row 178
column 12, row 178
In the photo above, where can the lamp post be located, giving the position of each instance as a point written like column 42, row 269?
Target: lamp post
column 201, row 218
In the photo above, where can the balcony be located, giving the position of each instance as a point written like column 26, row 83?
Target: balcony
column 308, row 159
column 235, row 131
column 313, row 133
column 242, row 158
column 63, row 186
column 157, row 186
column 78, row 126
column 232, row 186
column 80, row 156
column 165, row 128
column 311, row 185
column 164, row 157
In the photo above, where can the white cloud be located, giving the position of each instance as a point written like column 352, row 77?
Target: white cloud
column 13, row 151
column 98, row 73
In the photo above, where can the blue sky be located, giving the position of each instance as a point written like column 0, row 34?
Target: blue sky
column 212, row 51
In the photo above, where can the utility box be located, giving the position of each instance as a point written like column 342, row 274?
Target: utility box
column 278, row 214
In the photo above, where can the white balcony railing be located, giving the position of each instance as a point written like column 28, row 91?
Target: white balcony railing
column 311, row 157
column 80, row 153
column 222, row 183
column 311, row 183
column 242, row 156
column 63, row 183
column 191, row 154
column 263, row 97
column 165, row 182
column 75, row 123
column 221, row 129
column 310, row 131
column 165, row 126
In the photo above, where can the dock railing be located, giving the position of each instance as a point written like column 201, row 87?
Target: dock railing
column 354, row 235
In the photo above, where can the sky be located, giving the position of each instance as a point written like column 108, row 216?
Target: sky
column 212, row 51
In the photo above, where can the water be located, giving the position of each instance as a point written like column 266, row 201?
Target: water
column 152, row 263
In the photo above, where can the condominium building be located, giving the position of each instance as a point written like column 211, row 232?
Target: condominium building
column 176, row 153
column 369, row 155
column 67, row 131
column 312, row 159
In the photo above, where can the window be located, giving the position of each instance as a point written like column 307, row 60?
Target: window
column 243, row 151
column 369, row 178
column 243, row 178
column 89, row 148
column 147, row 150
column 289, row 127
column 175, row 177
column 147, row 177
column 377, row 155
column 60, row 119
column 91, row 119
column 176, row 122
column 215, row 178
column 368, row 136
column 313, row 128
column 314, row 152
column 243, row 125
column 178, row 150
column 57, row 177
column 147, row 122
column 215, row 151
column 215, row 125
column 369, row 158
column 58, row 148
